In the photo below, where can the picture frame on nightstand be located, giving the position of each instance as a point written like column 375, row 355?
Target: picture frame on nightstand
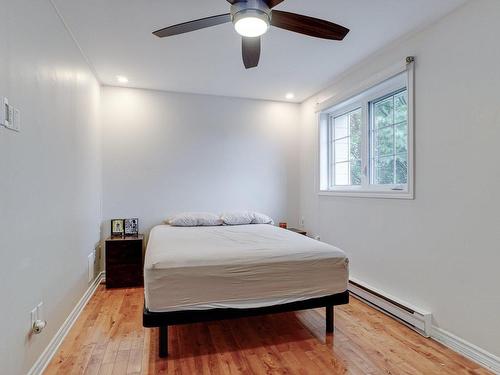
column 131, row 227
column 117, row 228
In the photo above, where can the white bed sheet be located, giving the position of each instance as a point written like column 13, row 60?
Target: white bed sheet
column 244, row 266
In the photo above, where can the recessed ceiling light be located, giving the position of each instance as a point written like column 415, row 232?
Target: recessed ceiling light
column 290, row 95
column 122, row 79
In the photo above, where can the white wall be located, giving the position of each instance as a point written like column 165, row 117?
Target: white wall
column 440, row 251
column 49, row 177
column 167, row 152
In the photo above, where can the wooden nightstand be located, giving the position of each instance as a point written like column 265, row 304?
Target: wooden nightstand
column 124, row 266
column 299, row 231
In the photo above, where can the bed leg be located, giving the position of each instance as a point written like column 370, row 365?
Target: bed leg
column 329, row 319
column 163, row 341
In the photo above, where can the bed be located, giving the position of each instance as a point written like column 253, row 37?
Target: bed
column 195, row 274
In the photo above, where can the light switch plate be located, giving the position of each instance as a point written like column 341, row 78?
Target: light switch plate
column 4, row 112
column 10, row 117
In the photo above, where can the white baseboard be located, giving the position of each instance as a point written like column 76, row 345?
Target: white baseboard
column 58, row 338
column 468, row 350
column 457, row 344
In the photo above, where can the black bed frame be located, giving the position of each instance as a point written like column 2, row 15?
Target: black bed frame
column 165, row 319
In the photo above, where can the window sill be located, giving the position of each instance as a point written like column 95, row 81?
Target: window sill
column 386, row 194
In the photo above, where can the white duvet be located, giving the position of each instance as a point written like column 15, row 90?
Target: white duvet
column 193, row 268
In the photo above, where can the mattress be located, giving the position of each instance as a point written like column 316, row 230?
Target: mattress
column 244, row 266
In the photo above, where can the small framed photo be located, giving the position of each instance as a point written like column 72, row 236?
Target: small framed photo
column 117, row 227
column 132, row 227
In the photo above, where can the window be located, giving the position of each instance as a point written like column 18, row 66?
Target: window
column 365, row 143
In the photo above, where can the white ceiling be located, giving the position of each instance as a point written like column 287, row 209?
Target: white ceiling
column 116, row 37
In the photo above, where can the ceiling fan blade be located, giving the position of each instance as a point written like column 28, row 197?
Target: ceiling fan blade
column 186, row 27
column 250, row 51
column 308, row 25
column 273, row 3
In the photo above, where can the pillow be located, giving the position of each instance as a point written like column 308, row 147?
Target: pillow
column 237, row 218
column 259, row 218
column 193, row 219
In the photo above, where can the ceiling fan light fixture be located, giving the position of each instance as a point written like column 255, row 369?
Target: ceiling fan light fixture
column 251, row 23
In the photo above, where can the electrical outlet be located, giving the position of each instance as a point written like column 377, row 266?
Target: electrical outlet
column 38, row 323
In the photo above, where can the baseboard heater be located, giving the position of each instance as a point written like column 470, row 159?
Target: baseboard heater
column 416, row 319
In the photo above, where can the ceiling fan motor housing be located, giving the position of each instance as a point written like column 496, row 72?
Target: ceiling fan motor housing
column 250, row 8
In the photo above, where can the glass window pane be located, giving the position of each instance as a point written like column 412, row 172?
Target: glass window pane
column 383, row 113
column 355, row 132
column 342, row 173
column 341, row 148
column 384, row 170
column 401, row 169
column 346, row 145
column 401, row 138
column 355, row 122
column 384, row 142
column 341, row 126
column 356, row 172
column 389, row 139
column 355, row 147
column 400, row 107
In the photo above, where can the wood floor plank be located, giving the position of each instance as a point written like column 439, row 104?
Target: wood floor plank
column 108, row 339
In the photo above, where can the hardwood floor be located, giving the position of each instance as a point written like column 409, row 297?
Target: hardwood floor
column 108, row 338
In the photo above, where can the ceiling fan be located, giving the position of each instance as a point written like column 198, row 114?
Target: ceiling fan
column 252, row 18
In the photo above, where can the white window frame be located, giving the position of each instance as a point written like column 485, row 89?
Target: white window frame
column 394, row 79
